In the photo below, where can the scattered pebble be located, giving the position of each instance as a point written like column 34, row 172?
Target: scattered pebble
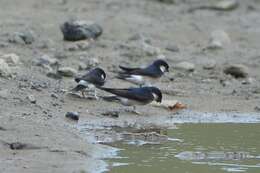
column 72, row 115
column 54, row 75
column 4, row 93
column 26, row 37
column 226, row 5
column 172, row 48
column 248, row 81
column 46, row 60
column 237, row 71
column 209, row 65
column 32, row 99
column 257, row 108
column 11, row 59
column 218, row 39
column 186, row 66
column 75, row 30
column 5, row 70
column 150, row 50
column 53, row 95
column 67, row 71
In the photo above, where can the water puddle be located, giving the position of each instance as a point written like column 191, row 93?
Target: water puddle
column 190, row 148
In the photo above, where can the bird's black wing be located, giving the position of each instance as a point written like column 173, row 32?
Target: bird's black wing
column 150, row 71
column 138, row 94
column 93, row 78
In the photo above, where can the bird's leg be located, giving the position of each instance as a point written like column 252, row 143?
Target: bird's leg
column 95, row 94
column 83, row 93
column 135, row 111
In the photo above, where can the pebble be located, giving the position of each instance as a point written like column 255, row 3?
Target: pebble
column 31, row 98
column 46, row 60
column 75, row 30
column 150, row 50
column 67, row 71
column 11, row 59
column 209, row 65
column 53, row 95
column 5, row 70
column 257, row 108
column 172, row 48
column 226, row 5
column 72, row 115
column 218, row 39
column 186, row 66
column 237, row 71
column 4, row 94
column 248, row 81
column 53, row 74
column 26, row 37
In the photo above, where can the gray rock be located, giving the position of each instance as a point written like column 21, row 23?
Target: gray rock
column 218, row 39
column 5, row 70
column 150, row 50
column 75, row 30
column 72, row 115
column 67, row 71
column 226, row 5
column 45, row 60
column 31, row 98
column 172, row 48
column 25, row 37
column 237, row 71
column 11, row 59
column 54, row 75
column 186, row 66
column 4, row 94
column 209, row 65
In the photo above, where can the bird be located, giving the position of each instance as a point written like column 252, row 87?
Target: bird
column 140, row 76
column 90, row 80
column 134, row 96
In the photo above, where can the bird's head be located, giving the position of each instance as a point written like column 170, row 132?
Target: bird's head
column 100, row 72
column 157, row 94
column 162, row 65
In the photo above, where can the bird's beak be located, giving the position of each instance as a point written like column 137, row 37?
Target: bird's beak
column 167, row 70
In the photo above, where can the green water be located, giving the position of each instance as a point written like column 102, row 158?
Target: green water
column 205, row 148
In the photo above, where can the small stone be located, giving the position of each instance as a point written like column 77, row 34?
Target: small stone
column 248, row 81
column 45, row 60
column 186, row 66
column 5, row 70
column 150, row 50
column 26, row 37
column 4, row 94
column 209, row 65
column 67, row 71
column 237, row 71
column 172, row 48
column 72, row 115
column 11, row 59
column 82, row 66
column 53, row 95
column 257, row 108
column 226, row 5
column 75, row 30
column 218, row 39
column 31, row 98
column 54, row 75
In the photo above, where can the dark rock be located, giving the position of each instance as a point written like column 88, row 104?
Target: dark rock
column 53, row 95
column 167, row 1
column 17, row 146
column 2, row 129
column 257, row 108
column 237, row 71
column 72, row 115
column 80, row 30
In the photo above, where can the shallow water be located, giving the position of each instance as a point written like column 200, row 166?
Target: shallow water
column 201, row 148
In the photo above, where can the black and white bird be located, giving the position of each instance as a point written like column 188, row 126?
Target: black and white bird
column 92, row 79
column 134, row 96
column 140, row 76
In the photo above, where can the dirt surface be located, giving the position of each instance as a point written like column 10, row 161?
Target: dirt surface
column 129, row 26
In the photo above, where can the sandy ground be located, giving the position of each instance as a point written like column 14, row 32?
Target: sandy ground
column 61, row 147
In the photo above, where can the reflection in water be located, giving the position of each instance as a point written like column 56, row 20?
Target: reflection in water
column 202, row 148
